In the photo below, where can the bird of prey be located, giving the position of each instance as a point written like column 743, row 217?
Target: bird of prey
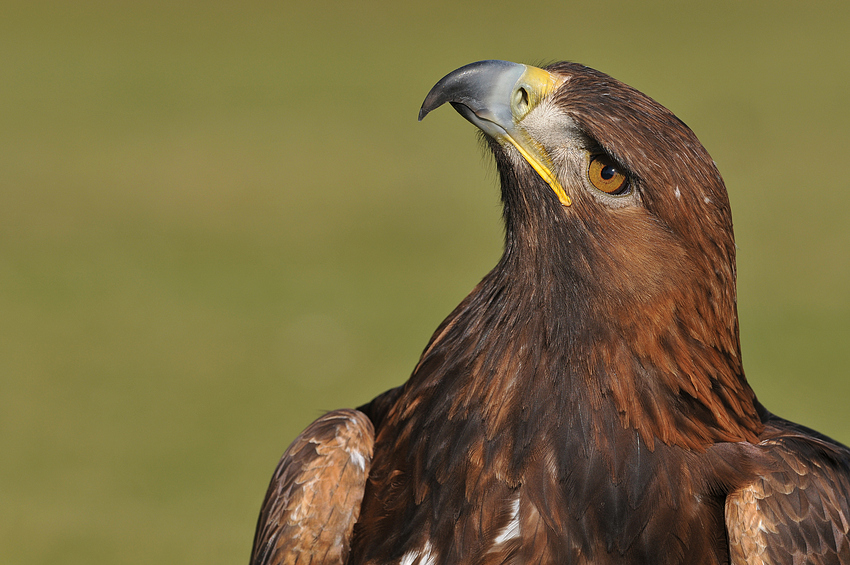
column 586, row 403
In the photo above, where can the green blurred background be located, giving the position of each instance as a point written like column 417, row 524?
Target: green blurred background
column 217, row 221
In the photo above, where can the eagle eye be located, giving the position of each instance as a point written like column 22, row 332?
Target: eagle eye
column 604, row 174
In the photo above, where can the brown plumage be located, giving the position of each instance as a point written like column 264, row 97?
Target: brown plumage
column 586, row 403
column 314, row 497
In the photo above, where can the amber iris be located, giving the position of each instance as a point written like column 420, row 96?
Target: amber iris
column 604, row 174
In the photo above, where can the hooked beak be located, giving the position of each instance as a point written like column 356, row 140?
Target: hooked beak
column 495, row 96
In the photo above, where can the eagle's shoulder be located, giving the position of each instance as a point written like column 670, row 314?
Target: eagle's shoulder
column 314, row 497
column 799, row 511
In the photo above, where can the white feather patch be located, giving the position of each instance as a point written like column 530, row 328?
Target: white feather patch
column 424, row 556
column 511, row 530
column 358, row 459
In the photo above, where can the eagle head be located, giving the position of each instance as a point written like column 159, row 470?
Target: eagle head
column 619, row 238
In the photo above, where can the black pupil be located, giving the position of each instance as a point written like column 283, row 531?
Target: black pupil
column 608, row 172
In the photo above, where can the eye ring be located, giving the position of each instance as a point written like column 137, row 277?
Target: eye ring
column 605, row 174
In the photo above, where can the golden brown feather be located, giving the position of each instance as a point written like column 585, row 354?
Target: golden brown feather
column 314, row 497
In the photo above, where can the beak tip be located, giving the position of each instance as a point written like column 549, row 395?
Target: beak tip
column 470, row 88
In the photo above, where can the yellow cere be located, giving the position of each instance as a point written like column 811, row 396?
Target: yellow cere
column 541, row 83
column 537, row 84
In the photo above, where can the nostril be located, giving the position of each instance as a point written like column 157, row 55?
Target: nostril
column 520, row 101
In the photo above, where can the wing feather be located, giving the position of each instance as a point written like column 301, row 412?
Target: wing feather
column 798, row 512
column 314, row 497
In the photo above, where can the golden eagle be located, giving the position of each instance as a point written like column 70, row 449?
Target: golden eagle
column 586, row 403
